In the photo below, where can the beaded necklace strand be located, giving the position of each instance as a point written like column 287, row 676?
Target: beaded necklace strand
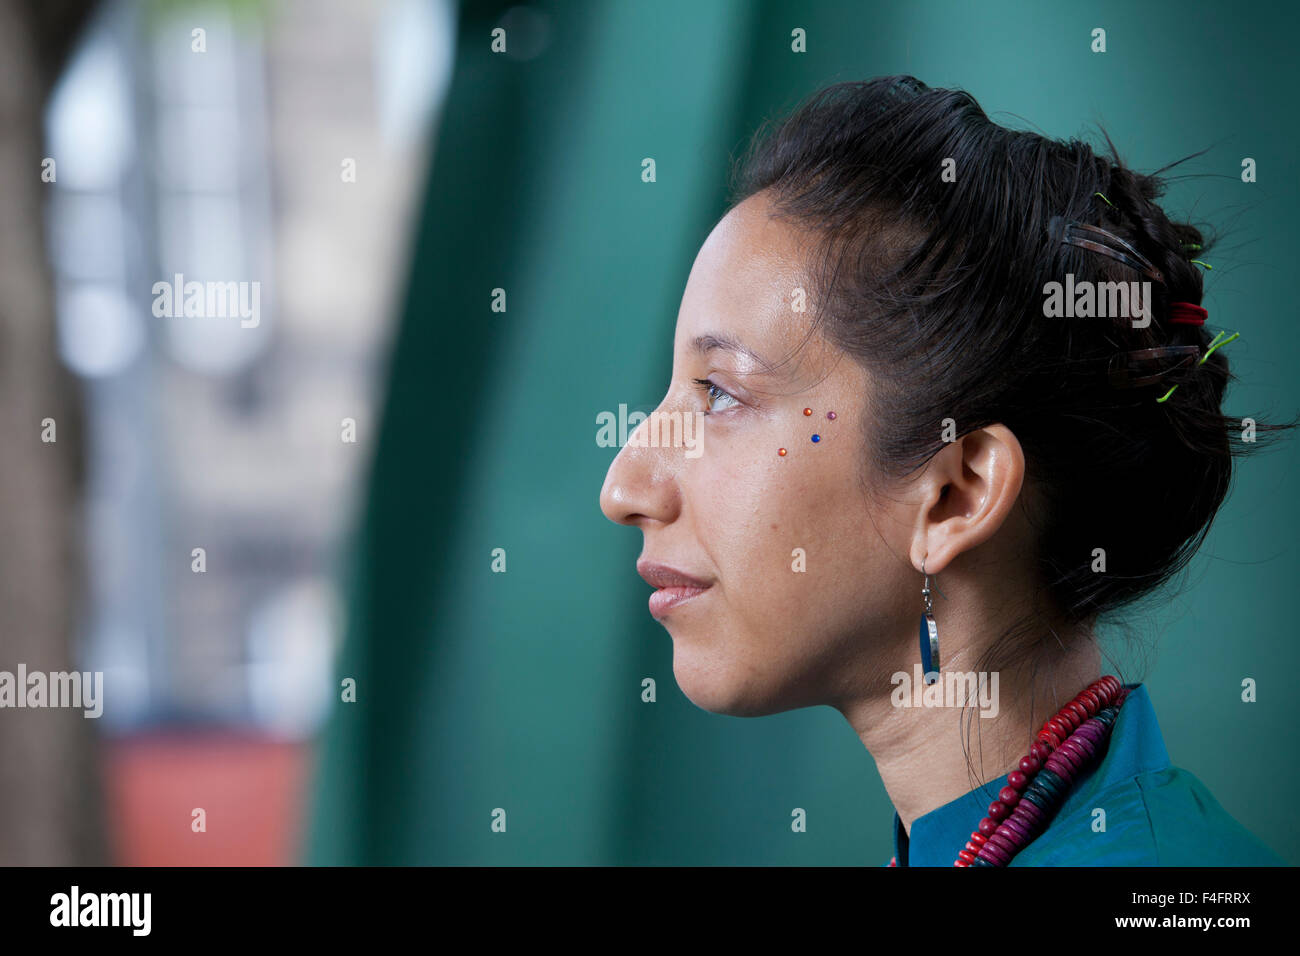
column 1067, row 745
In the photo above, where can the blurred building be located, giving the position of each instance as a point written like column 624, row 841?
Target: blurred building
column 276, row 149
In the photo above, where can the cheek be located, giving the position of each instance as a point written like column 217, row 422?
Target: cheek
column 738, row 495
column 781, row 531
column 797, row 557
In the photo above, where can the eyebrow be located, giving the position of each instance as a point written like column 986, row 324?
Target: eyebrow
column 704, row 344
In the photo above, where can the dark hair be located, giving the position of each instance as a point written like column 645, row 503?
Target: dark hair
column 937, row 288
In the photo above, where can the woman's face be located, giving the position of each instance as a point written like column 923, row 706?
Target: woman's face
column 771, row 631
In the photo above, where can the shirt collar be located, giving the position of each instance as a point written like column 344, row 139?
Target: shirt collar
column 1136, row 746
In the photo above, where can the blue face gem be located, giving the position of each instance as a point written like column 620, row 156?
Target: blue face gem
column 817, row 438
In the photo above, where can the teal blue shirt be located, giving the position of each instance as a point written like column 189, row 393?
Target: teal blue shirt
column 1156, row 814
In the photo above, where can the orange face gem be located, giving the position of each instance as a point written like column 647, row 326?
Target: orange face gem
column 807, row 411
column 781, row 451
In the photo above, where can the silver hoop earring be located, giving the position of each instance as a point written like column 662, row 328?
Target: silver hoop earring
column 929, row 632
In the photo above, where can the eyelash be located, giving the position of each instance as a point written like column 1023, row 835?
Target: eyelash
column 709, row 387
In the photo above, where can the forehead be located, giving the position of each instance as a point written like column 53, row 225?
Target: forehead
column 745, row 282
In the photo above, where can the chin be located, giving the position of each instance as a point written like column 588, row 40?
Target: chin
column 716, row 687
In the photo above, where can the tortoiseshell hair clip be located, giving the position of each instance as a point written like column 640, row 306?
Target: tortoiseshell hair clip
column 1096, row 239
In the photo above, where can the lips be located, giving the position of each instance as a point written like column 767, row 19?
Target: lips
column 675, row 587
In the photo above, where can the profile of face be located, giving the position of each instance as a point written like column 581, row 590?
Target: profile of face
column 808, row 589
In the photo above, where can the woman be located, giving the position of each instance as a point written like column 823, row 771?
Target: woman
column 902, row 412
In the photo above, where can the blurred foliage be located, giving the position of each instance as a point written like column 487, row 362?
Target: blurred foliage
column 241, row 11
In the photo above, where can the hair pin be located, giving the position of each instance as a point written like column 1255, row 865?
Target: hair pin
column 1124, row 366
column 1214, row 344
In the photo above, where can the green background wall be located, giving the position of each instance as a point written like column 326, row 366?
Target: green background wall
column 522, row 690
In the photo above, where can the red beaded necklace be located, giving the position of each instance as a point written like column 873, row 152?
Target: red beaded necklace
column 1065, row 747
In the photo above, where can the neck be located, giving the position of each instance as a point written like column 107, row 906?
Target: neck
column 919, row 750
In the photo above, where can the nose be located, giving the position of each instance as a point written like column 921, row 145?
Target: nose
column 641, row 484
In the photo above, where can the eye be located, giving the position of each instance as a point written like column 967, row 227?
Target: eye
column 715, row 393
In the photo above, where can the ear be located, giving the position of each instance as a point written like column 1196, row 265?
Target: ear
column 965, row 494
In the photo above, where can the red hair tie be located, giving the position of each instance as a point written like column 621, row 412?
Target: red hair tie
column 1184, row 313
